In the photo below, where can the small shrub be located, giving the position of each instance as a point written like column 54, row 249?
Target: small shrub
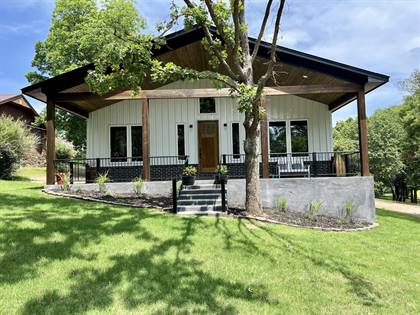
column 15, row 140
column 189, row 171
column 64, row 149
column 79, row 190
column 315, row 207
column 349, row 208
column 101, row 180
column 222, row 169
column 66, row 182
column 282, row 204
column 138, row 185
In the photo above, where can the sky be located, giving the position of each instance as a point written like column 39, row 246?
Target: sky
column 378, row 35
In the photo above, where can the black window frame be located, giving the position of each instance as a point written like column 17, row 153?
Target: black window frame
column 236, row 145
column 140, row 156
column 118, row 158
column 284, row 123
column 182, row 154
column 291, row 122
column 212, row 102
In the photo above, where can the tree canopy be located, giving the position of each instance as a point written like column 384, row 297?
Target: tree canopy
column 394, row 141
column 82, row 32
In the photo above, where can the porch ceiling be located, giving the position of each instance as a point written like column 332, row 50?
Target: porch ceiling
column 184, row 48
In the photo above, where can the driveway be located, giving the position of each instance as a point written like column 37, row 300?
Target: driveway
column 397, row 206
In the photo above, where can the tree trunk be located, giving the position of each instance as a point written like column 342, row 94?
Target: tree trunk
column 252, row 165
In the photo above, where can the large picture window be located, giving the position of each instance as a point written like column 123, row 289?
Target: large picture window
column 180, row 131
column 299, row 135
column 235, row 140
column 118, row 144
column 277, row 134
column 207, row 105
column 136, row 143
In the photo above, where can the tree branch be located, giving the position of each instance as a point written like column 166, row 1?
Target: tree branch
column 262, row 30
column 216, row 51
column 264, row 78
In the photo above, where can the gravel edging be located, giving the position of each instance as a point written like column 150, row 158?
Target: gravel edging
column 239, row 216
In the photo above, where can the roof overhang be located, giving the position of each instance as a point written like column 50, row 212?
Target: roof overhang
column 184, row 48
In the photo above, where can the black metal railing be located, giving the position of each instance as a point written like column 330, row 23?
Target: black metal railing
column 301, row 164
column 120, row 169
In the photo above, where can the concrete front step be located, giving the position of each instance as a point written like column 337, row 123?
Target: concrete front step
column 199, row 192
column 199, row 208
column 200, row 213
column 198, row 196
column 202, row 202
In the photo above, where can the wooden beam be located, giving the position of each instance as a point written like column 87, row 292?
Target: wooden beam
column 73, row 109
column 224, row 92
column 146, row 139
column 363, row 139
column 50, row 124
column 264, row 143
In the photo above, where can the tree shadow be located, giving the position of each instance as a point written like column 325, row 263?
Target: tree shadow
column 359, row 285
column 162, row 274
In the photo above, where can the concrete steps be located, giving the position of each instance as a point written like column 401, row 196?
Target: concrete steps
column 202, row 198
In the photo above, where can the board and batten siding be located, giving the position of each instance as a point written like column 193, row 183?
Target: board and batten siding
column 166, row 114
column 124, row 113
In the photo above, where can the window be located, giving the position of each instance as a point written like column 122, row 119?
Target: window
column 180, row 131
column 277, row 130
column 118, row 144
column 136, row 143
column 207, row 105
column 235, row 140
column 299, row 135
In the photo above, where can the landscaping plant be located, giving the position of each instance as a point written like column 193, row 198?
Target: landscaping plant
column 315, row 207
column 282, row 204
column 222, row 169
column 189, row 171
column 138, row 185
column 349, row 208
column 15, row 140
column 101, row 180
column 66, row 182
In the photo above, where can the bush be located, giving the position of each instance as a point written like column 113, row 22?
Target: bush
column 64, row 149
column 15, row 140
column 8, row 163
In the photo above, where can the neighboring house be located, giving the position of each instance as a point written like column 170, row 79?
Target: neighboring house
column 18, row 107
column 156, row 132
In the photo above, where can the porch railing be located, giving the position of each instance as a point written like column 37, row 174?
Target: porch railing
column 316, row 164
column 311, row 164
column 121, row 169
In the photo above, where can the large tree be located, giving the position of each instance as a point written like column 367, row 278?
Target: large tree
column 232, row 64
column 79, row 30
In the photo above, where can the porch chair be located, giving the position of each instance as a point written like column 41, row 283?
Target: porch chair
column 293, row 165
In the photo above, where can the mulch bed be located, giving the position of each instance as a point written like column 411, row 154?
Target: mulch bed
column 299, row 219
column 142, row 201
column 295, row 219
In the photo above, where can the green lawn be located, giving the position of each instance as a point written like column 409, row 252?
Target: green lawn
column 31, row 173
column 60, row 256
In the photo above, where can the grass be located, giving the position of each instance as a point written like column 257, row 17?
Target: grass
column 388, row 197
column 62, row 256
column 31, row 173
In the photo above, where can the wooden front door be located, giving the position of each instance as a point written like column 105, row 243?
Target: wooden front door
column 208, row 145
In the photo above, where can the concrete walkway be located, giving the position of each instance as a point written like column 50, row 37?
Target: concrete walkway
column 397, row 206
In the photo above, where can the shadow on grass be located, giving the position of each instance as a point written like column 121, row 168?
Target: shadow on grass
column 359, row 285
column 153, row 276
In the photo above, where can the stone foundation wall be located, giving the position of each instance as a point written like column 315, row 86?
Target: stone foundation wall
column 299, row 192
